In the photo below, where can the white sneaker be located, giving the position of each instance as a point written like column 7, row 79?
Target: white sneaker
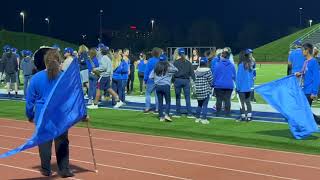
column 86, row 97
column 190, row 117
column 90, row 102
column 119, row 104
column 197, row 120
column 162, row 119
column 166, row 117
column 205, row 121
column 93, row 106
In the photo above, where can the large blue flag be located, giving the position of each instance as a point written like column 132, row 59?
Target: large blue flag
column 287, row 97
column 64, row 107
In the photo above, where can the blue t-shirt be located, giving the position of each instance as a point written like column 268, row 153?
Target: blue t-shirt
column 141, row 66
column 311, row 77
column 297, row 59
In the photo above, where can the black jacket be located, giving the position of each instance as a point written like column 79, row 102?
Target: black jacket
column 10, row 63
column 185, row 70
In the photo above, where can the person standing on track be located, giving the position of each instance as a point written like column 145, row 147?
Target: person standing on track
column 40, row 87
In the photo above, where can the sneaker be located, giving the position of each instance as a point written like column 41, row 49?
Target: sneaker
column 204, row 121
column 119, row 104
column 162, row 119
column 190, row 117
column 197, row 120
column 86, row 97
column 93, row 106
column 66, row 174
column 90, row 102
column 249, row 119
column 177, row 116
column 146, row 111
column 155, row 112
column 45, row 173
column 167, row 118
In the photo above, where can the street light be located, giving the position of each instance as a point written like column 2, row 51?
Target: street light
column 100, row 29
column 22, row 14
column 48, row 22
column 310, row 22
column 152, row 24
column 300, row 16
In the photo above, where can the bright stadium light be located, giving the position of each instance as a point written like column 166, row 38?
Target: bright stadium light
column 152, row 24
column 310, row 22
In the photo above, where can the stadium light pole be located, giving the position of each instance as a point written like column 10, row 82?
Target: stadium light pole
column 48, row 22
column 22, row 14
column 310, row 22
column 100, row 28
column 300, row 16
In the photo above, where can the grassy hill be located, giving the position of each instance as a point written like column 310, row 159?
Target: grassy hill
column 29, row 41
column 278, row 50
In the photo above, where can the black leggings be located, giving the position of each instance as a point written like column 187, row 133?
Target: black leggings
column 130, row 82
column 223, row 95
column 141, row 77
column 316, row 118
column 245, row 102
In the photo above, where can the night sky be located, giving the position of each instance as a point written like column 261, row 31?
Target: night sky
column 70, row 19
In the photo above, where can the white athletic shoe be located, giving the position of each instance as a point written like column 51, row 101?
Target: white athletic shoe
column 167, row 118
column 162, row 119
column 197, row 120
column 204, row 121
column 119, row 104
column 93, row 106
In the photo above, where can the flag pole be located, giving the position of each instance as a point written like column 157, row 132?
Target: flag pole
column 92, row 151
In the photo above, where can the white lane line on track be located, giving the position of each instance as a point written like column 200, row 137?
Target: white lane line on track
column 110, row 166
column 176, row 161
column 30, row 170
column 188, row 140
column 179, row 149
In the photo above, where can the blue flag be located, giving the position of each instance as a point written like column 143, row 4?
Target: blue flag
column 287, row 97
column 64, row 107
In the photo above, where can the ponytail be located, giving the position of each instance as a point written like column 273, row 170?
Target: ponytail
column 52, row 61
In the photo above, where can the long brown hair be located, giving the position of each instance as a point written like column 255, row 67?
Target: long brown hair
column 52, row 60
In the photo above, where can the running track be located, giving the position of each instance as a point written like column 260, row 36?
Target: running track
column 123, row 156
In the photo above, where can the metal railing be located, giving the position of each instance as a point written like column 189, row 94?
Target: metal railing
column 307, row 35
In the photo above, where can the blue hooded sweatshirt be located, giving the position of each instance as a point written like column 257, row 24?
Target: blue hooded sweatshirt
column 297, row 59
column 224, row 74
column 214, row 62
column 121, row 72
column 142, row 66
column 150, row 66
column 311, row 78
column 244, row 80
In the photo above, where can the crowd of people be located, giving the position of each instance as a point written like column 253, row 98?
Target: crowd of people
column 107, row 73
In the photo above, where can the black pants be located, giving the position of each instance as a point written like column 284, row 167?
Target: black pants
column 163, row 91
column 223, row 95
column 62, row 153
column 316, row 118
column 141, row 77
column 245, row 102
column 130, row 82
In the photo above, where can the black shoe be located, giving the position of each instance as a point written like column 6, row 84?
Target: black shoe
column 66, row 174
column 45, row 172
column 243, row 119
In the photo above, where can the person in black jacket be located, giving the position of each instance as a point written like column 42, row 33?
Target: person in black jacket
column 182, row 81
column 10, row 66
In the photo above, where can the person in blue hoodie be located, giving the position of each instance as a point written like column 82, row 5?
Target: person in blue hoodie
column 120, row 75
column 40, row 87
column 142, row 64
column 224, row 75
column 162, row 76
column 27, row 66
column 125, row 62
column 93, row 77
column 296, row 58
column 244, row 83
column 309, row 76
column 156, row 52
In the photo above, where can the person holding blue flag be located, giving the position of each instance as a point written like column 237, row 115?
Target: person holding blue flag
column 309, row 76
column 296, row 58
column 38, row 94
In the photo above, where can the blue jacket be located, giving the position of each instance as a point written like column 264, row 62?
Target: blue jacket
column 149, row 68
column 311, row 78
column 214, row 63
column 224, row 75
column 297, row 59
column 95, row 63
column 38, row 92
column 141, row 66
column 121, row 72
column 244, row 80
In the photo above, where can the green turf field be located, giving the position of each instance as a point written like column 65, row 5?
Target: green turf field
column 254, row 134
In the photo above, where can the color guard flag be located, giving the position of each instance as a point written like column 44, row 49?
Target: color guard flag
column 64, row 107
column 287, row 97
